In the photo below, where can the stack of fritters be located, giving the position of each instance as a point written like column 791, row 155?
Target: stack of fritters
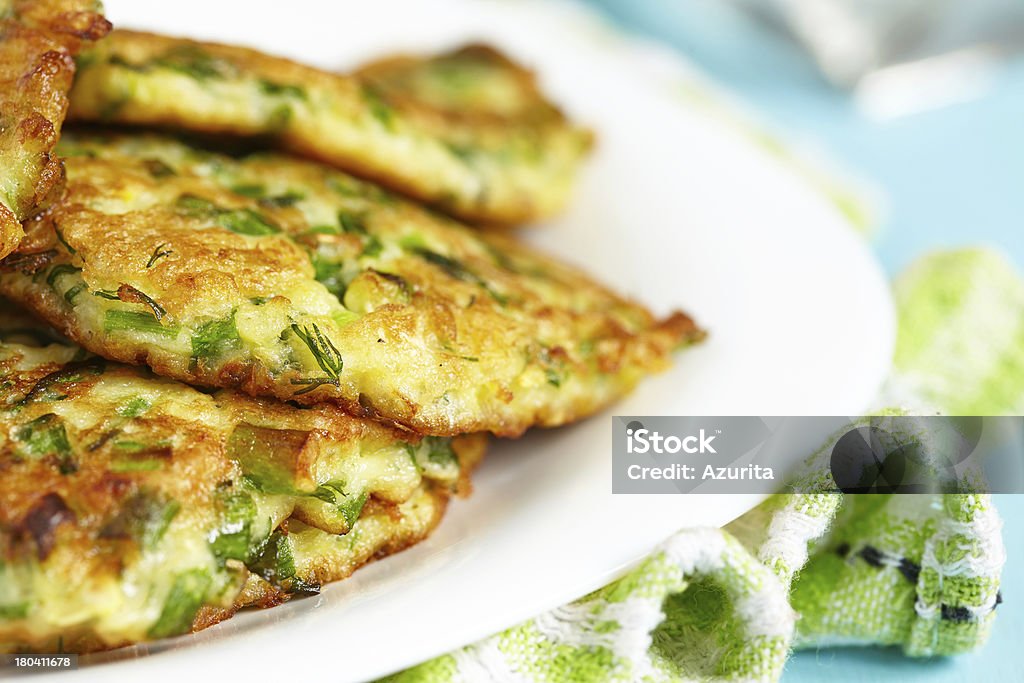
column 264, row 371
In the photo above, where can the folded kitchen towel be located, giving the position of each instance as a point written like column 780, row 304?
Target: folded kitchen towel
column 806, row 570
column 810, row 570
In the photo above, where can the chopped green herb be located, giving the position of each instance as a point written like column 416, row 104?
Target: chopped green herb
column 330, row 492
column 247, row 222
column 379, row 109
column 232, row 539
column 250, row 190
column 124, row 466
column 465, row 153
column 241, row 221
column 351, row 222
column 345, row 186
column 458, row 271
column 73, row 293
column 17, row 610
column 349, row 506
column 324, row 352
column 282, row 89
column 64, row 242
column 193, row 205
column 439, row 450
column 134, row 407
column 159, row 252
column 449, row 265
column 355, row 224
column 186, row 597
column 410, row 450
column 194, row 62
column 137, row 321
column 131, row 295
column 59, row 270
column 215, row 338
column 276, row 564
column 352, row 507
column 46, row 388
column 46, row 436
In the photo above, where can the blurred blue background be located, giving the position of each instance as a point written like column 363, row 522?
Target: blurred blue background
column 950, row 176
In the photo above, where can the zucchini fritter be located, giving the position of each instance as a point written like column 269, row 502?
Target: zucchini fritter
column 38, row 41
column 286, row 279
column 475, row 81
column 499, row 164
column 134, row 507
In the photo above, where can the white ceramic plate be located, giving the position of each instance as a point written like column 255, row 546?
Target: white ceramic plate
column 677, row 209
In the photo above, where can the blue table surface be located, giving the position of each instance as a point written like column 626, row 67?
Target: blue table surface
column 951, row 176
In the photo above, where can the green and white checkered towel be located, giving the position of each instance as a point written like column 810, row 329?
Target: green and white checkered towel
column 808, row 570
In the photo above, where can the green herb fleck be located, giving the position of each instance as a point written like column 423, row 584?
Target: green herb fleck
column 247, row 222
column 194, row 205
column 282, row 89
column 458, row 271
column 159, row 252
column 59, row 270
column 134, row 407
column 194, row 62
column 355, row 224
column 183, row 603
column 73, row 293
column 232, row 539
column 324, row 352
column 64, row 242
column 347, row 505
column 276, row 564
column 125, row 466
column 137, row 321
column 17, row 610
column 380, row 110
column 215, row 338
column 46, row 388
column 250, row 190
column 439, row 451
column 46, row 436
column 131, row 295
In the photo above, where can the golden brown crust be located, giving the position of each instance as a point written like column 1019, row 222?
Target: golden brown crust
column 512, row 161
column 38, row 41
column 331, row 291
